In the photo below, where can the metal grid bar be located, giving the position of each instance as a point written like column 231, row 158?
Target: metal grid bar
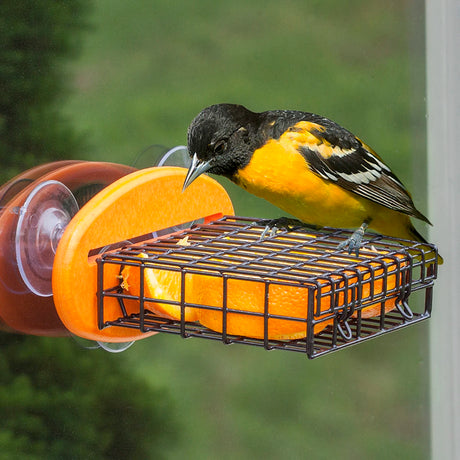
column 228, row 253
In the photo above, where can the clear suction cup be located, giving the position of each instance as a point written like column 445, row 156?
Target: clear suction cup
column 115, row 347
column 42, row 221
column 95, row 345
column 177, row 156
column 85, row 343
column 149, row 156
column 159, row 155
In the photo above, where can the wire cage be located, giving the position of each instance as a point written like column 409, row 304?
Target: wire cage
column 292, row 290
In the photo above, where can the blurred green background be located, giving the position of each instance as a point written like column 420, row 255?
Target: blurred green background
column 145, row 69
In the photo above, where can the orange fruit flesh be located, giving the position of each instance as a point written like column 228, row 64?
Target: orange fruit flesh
column 392, row 282
column 248, row 297
column 288, row 303
column 162, row 285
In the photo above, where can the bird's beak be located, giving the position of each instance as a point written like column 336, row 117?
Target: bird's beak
column 196, row 169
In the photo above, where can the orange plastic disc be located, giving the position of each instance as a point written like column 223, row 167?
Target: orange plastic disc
column 142, row 202
column 21, row 310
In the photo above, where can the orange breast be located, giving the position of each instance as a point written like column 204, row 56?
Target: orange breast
column 278, row 173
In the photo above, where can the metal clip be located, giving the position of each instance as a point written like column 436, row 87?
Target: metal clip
column 404, row 309
column 346, row 334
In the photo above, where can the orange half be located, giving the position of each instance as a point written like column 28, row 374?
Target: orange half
column 393, row 280
column 257, row 308
column 160, row 285
column 288, row 302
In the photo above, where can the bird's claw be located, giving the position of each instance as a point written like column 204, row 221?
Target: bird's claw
column 286, row 223
column 271, row 230
column 355, row 241
column 353, row 244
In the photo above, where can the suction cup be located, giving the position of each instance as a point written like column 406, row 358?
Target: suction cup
column 115, row 347
column 159, row 155
column 41, row 223
column 95, row 345
column 85, row 343
column 149, row 156
column 177, row 156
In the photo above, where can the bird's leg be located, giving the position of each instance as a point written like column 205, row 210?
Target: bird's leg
column 287, row 223
column 354, row 242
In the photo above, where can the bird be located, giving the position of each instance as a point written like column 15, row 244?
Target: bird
column 305, row 164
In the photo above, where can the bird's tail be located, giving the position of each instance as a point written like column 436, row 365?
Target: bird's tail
column 416, row 236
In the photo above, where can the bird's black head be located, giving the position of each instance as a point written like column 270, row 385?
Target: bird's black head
column 221, row 139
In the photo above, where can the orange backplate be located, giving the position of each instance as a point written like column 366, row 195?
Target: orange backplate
column 144, row 201
column 21, row 310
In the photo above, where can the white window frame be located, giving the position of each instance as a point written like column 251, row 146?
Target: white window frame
column 443, row 49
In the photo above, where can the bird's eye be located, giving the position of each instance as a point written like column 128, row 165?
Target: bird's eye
column 220, row 147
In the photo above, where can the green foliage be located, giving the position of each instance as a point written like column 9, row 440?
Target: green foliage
column 37, row 37
column 60, row 401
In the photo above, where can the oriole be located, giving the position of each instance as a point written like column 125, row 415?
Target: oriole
column 307, row 165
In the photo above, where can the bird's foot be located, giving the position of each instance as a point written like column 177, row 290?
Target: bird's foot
column 354, row 242
column 286, row 223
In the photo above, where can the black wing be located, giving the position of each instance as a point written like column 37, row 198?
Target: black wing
column 336, row 155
